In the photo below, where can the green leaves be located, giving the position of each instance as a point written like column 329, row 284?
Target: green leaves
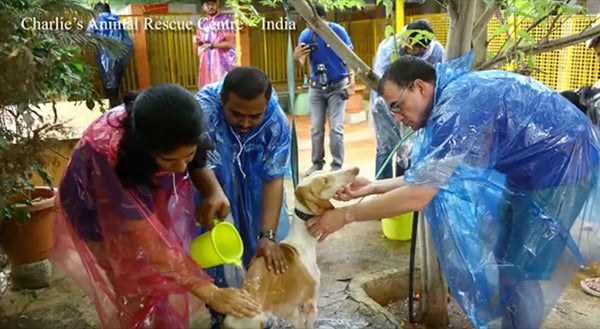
column 248, row 15
column 526, row 36
column 526, row 22
column 502, row 29
column 388, row 5
column 389, row 31
column 45, row 67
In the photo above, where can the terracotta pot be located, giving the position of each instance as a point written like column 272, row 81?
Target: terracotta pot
column 31, row 240
column 355, row 102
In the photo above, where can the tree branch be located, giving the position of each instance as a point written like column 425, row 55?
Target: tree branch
column 307, row 12
column 545, row 46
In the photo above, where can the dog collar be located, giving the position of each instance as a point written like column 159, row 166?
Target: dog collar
column 302, row 215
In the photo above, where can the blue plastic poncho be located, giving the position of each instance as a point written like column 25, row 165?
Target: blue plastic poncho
column 242, row 162
column 516, row 166
column 111, row 68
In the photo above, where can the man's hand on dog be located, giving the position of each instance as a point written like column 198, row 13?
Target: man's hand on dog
column 360, row 187
column 273, row 255
column 215, row 205
column 321, row 226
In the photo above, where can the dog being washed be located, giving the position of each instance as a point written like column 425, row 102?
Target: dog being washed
column 292, row 296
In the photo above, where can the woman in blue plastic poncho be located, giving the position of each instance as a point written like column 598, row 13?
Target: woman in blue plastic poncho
column 505, row 170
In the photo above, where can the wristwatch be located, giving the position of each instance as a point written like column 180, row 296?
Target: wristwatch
column 269, row 234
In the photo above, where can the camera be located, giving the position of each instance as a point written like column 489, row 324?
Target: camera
column 312, row 46
column 321, row 71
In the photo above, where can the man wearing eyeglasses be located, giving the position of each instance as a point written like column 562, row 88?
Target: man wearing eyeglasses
column 506, row 171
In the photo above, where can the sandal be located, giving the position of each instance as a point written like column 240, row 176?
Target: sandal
column 591, row 286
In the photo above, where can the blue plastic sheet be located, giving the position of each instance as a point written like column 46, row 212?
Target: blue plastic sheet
column 516, row 214
column 111, row 68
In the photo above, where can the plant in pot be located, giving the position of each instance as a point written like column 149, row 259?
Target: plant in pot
column 37, row 66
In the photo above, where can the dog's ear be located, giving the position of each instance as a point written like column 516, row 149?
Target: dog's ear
column 307, row 196
column 324, row 205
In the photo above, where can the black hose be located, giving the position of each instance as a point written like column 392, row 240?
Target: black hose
column 411, row 267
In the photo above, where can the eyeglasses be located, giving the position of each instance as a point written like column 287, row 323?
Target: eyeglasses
column 396, row 107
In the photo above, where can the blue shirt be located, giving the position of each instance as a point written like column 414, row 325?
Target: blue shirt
column 336, row 68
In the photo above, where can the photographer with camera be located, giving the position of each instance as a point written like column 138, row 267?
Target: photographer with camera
column 331, row 83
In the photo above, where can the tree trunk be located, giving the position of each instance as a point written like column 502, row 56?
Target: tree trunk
column 306, row 11
column 462, row 17
column 433, row 311
column 485, row 13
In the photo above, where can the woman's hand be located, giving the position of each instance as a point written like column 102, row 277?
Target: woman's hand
column 209, row 207
column 229, row 301
column 359, row 187
column 274, row 257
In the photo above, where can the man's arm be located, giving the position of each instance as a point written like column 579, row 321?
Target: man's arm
column 271, row 204
column 302, row 49
column 382, row 186
column 205, row 181
column 214, row 200
column 405, row 199
column 228, row 43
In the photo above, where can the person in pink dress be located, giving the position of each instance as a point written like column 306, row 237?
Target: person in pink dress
column 214, row 44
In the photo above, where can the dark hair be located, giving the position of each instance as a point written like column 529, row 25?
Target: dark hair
column 405, row 70
column 246, row 82
column 320, row 9
column 101, row 7
column 420, row 25
column 592, row 43
column 205, row 1
column 576, row 98
column 160, row 119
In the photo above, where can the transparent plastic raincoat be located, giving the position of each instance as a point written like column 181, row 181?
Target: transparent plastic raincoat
column 388, row 131
column 242, row 162
column 516, row 213
column 128, row 249
column 111, row 68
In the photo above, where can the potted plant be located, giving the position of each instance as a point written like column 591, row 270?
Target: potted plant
column 37, row 66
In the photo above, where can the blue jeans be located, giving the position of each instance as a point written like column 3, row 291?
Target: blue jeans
column 329, row 101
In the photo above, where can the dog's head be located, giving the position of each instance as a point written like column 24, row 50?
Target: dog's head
column 315, row 190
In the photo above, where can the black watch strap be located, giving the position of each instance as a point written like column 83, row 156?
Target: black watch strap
column 269, row 234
